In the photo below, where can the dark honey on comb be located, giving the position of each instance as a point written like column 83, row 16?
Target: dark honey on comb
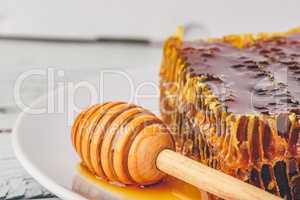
column 244, row 93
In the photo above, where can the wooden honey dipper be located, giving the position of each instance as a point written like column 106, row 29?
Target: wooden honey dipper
column 125, row 143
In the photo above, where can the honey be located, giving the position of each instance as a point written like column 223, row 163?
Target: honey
column 169, row 189
column 234, row 104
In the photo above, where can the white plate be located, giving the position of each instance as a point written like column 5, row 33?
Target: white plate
column 42, row 141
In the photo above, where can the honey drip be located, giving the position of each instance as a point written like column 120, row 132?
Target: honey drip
column 170, row 189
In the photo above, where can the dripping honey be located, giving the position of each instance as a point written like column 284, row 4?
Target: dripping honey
column 169, row 189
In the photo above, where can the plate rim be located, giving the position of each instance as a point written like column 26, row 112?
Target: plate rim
column 31, row 168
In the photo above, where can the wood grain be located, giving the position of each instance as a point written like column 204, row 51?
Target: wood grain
column 15, row 183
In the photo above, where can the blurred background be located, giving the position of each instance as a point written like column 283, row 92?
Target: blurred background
column 88, row 35
column 81, row 37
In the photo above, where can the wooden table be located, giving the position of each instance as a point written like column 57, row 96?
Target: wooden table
column 15, row 183
column 79, row 63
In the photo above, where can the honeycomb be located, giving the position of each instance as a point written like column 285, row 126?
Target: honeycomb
column 233, row 103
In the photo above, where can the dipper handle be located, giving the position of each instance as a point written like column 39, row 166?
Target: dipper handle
column 209, row 179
